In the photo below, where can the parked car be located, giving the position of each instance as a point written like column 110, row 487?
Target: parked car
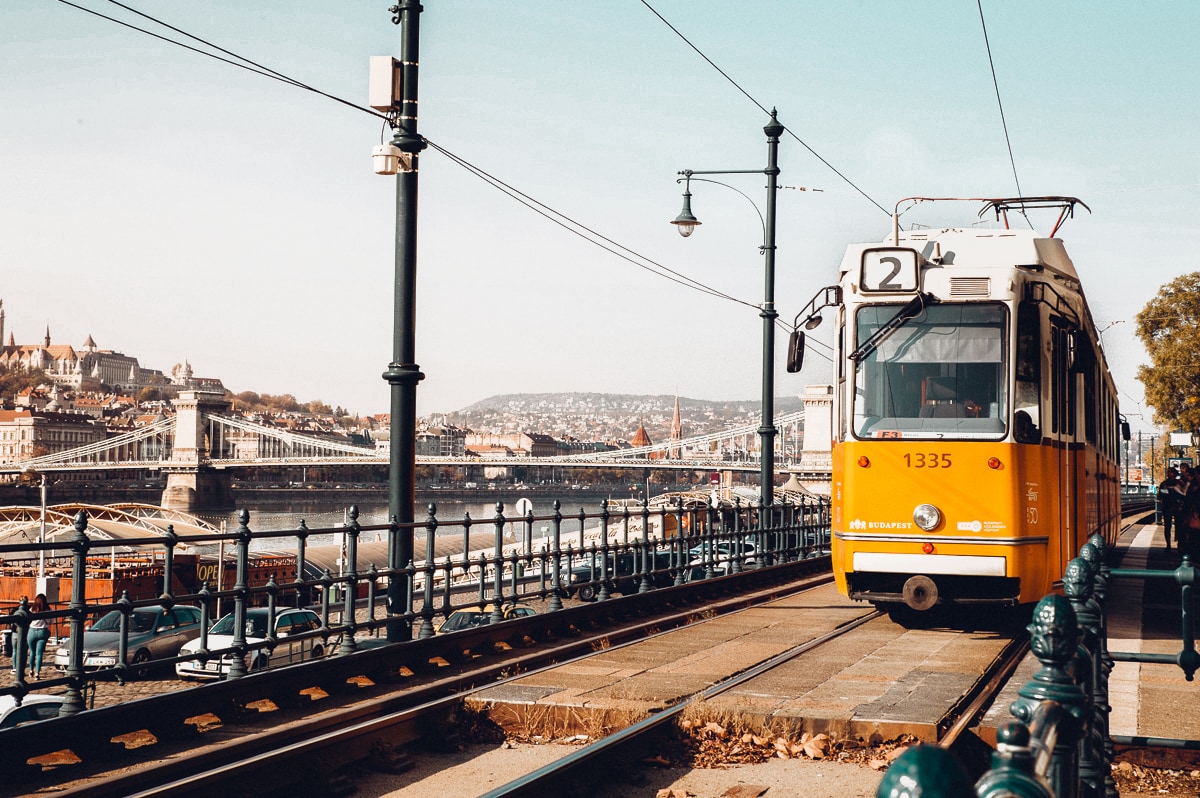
column 154, row 633
column 472, row 617
column 288, row 622
column 623, row 574
column 35, row 706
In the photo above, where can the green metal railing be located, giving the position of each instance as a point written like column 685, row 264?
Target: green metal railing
column 1059, row 745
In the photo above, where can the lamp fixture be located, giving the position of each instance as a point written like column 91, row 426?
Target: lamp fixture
column 685, row 222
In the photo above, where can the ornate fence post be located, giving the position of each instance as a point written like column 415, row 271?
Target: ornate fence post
column 350, row 586
column 926, row 771
column 78, row 609
column 605, row 571
column 241, row 592
column 1095, row 552
column 1052, row 694
column 1012, row 774
column 680, row 553
column 556, row 560
column 431, row 524
column 498, row 568
column 649, row 562
column 1077, row 585
column 170, row 539
column 21, row 646
column 301, row 543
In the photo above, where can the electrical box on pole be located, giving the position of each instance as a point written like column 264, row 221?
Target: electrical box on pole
column 385, row 83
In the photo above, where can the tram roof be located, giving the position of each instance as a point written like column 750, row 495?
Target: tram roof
column 971, row 247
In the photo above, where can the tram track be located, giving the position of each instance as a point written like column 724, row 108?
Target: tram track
column 311, row 747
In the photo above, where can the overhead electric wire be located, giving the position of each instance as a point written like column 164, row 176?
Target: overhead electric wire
column 1003, row 123
column 249, row 66
column 575, row 227
column 542, row 209
column 762, row 107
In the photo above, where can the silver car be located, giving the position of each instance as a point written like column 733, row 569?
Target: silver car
column 287, row 623
column 154, row 633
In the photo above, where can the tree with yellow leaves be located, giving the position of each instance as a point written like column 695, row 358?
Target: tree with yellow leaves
column 1169, row 327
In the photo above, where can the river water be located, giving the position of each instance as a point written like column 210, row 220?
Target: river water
column 328, row 513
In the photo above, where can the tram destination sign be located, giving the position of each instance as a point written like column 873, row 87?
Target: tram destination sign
column 891, row 270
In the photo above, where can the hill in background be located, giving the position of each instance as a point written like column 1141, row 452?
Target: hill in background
column 607, row 416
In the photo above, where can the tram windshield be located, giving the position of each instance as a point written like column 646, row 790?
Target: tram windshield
column 940, row 374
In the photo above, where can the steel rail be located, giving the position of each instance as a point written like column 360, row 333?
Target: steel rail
column 966, row 713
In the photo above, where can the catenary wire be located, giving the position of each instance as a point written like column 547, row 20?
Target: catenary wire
column 1000, row 105
column 249, row 66
column 549, row 213
column 761, row 107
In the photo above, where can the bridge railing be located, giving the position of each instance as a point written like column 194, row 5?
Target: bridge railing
column 1060, row 743
column 588, row 555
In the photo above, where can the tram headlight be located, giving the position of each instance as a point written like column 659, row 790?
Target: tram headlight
column 927, row 517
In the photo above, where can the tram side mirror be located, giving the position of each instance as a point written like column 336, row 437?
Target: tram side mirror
column 1124, row 430
column 795, row 355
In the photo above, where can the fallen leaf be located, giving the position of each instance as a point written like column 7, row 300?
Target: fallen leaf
column 745, row 791
column 877, row 764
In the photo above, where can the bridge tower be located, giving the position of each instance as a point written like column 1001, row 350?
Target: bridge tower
column 191, row 482
column 816, row 458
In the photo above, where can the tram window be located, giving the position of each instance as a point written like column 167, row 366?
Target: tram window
column 1028, row 369
column 940, row 374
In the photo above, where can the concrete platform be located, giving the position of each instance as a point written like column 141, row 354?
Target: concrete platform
column 881, row 681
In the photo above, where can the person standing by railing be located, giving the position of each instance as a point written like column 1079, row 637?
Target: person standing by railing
column 1168, row 502
column 39, row 633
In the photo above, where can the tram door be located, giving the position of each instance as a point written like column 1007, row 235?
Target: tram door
column 1062, row 426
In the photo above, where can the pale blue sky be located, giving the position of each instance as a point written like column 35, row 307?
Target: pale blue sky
column 175, row 208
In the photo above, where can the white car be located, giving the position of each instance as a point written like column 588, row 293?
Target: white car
column 288, row 622
column 35, row 706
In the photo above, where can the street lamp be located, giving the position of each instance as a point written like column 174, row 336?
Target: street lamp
column 403, row 373
column 686, row 222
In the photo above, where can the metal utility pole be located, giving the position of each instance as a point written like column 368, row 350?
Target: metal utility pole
column 686, row 223
column 403, row 373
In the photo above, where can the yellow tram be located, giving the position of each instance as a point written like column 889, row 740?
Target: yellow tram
column 976, row 434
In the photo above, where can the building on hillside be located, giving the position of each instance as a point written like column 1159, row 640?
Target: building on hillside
column 522, row 444
column 27, row 433
column 90, row 367
column 445, row 441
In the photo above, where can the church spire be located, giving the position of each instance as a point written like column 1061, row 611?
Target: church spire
column 47, row 335
column 676, row 432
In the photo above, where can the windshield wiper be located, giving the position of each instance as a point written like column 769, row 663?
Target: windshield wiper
column 902, row 317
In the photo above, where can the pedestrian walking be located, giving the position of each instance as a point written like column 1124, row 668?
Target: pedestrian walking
column 1168, row 502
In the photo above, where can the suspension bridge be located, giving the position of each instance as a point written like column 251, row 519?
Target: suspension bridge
column 199, row 446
